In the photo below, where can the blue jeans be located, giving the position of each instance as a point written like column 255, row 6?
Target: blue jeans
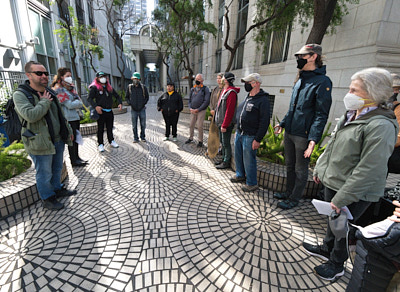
column 142, row 116
column 245, row 158
column 48, row 171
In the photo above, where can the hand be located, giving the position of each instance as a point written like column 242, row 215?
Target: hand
column 72, row 137
column 335, row 208
column 45, row 95
column 212, row 112
column 316, row 180
column 396, row 213
column 223, row 130
column 120, row 107
column 255, row 145
column 99, row 110
column 309, row 149
column 278, row 129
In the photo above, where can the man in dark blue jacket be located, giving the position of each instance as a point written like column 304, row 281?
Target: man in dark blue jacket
column 252, row 117
column 305, row 121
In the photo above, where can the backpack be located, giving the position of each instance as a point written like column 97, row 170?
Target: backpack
column 13, row 125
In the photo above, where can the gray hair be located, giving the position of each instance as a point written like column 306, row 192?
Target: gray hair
column 201, row 76
column 377, row 82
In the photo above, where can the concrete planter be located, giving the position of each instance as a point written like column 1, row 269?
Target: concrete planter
column 116, row 111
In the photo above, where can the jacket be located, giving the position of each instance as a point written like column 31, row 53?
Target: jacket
column 138, row 96
column 35, row 116
column 102, row 98
column 253, row 115
column 309, row 105
column 354, row 163
column 214, row 97
column 199, row 98
column 226, row 107
column 70, row 103
column 170, row 104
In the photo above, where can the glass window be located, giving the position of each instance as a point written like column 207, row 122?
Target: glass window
column 240, row 30
column 36, row 31
column 47, row 36
column 277, row 46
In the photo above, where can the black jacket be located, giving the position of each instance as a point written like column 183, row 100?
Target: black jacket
column 137, row 96
column 170, row 103
column 253, row 115
column 102, row 98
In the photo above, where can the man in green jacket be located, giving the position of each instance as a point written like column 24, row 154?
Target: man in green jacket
column 44, row 133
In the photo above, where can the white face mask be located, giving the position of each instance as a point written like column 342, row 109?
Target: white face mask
column 68, row 80
column 103, row 80
column 353, row 102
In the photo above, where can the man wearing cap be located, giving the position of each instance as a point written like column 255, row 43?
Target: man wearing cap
column 252, row 117
column 396, row 87
column 138, row 96
column 199, row 100
column 225, row 118
column 305, row 121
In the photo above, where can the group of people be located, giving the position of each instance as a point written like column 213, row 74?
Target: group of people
column 353, row 168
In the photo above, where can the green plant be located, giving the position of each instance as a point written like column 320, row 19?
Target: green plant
column 122, row 94
column 86, row 117
column 318, row 150
column 208, row 113
column 13, row 160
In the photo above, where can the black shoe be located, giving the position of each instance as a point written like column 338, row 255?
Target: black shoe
column 223, row 165
column 64, row 192
column 188, row 141
column 287, row 204
column 236, row 179
column 329, row 271
column 200, row 144
column 316, row 250
column 281, row 196
column 218, row 162
column 78, row 163
column 81, row 160
column 52, row 204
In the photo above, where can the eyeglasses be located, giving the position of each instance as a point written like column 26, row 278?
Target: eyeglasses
column 301, row 56
column 40, row 73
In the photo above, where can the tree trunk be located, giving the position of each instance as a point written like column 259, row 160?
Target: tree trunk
column 323, row 13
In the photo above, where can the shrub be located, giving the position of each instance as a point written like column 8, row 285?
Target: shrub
column 13, row 160
column 86, row 117
column 208, row 113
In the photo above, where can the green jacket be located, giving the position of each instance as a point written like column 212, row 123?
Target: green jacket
column 41, row 143
column 354, row 163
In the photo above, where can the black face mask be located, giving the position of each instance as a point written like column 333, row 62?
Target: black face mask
column 301, row 63
column 197, row 82
column 248, row 87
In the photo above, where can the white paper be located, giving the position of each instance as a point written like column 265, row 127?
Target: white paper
column 78, row 138
column 375, row 230
column 324, row 208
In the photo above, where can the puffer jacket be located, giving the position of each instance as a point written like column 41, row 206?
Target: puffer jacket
column 170, row 104
column 309, row 105
column 354, row 163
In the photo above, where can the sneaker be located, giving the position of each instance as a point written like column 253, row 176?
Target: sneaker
column 200, row 144
column 236, row 179
column 101, row 148
column 218, row 162
column 281, row 196
column 64, row 192
column 329, row 271
column 287, row 204
column 114, row 144
column 188, row 141
column 136, row 141
column 143, row 140
column 175, row 139
column 316, row 250
column 223, row 165
column 52, row 204
column 248, row 188
column 166, row 139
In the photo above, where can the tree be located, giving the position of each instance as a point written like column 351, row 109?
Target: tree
column 78, row 36
column 186, row 27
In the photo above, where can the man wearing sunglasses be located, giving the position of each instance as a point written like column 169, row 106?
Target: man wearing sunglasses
column 44, row 133
column 305, row 121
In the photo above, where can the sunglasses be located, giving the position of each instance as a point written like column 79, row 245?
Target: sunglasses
column 40, row 73
column 301, row 56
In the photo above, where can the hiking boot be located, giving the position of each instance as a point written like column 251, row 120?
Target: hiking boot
column 329, row 271
column 114, row 144
column 188, row 141
column 101, row 148
column 287, row 204
column 64, row 192
column 316, row 250
column 236, row 179
column 248, row 188
column 281, row 196
column 166, row 139
column 200, row 144
column 174, row 139
column 52, row 204
column 223, row 165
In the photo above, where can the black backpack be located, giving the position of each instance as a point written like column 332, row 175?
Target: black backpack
column 13, row 125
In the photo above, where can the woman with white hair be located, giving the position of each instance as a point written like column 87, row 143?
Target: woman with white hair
column 354, row 165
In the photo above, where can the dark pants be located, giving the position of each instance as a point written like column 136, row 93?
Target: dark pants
column 106, row 118
column 170, row 121
column 394, row 161
column 73, row 150
column 296, row 166
column 225, row 140
column 338, row 248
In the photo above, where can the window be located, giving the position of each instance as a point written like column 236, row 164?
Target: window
column 220, row 36
column 63, row 11
column 91, row 13
column 240, row 30
column 277, row 46
column 80, row 13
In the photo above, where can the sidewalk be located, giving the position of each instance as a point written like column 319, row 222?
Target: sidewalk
column 158, row 216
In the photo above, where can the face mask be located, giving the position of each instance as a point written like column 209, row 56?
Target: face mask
column 248, row 87
column 103, row 80
column 135, row 82
column 301, row 63
column 353, row 102
column 68, row 80
column 197, row 82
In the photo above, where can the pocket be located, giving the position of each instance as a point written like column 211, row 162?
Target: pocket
column 38, row 142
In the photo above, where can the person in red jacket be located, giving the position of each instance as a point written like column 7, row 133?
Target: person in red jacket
column 225, row 118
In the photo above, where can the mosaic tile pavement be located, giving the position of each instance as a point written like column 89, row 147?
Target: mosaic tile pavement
column 158, row 216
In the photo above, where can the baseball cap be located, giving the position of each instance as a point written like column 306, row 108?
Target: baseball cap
column 100, row 73
column 310, row 48
column 252, row 77
column 229, row 76
column 396, row 80
column 136, row 75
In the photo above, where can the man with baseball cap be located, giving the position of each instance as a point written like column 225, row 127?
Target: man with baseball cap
column 252, row 116
column 305, row 121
